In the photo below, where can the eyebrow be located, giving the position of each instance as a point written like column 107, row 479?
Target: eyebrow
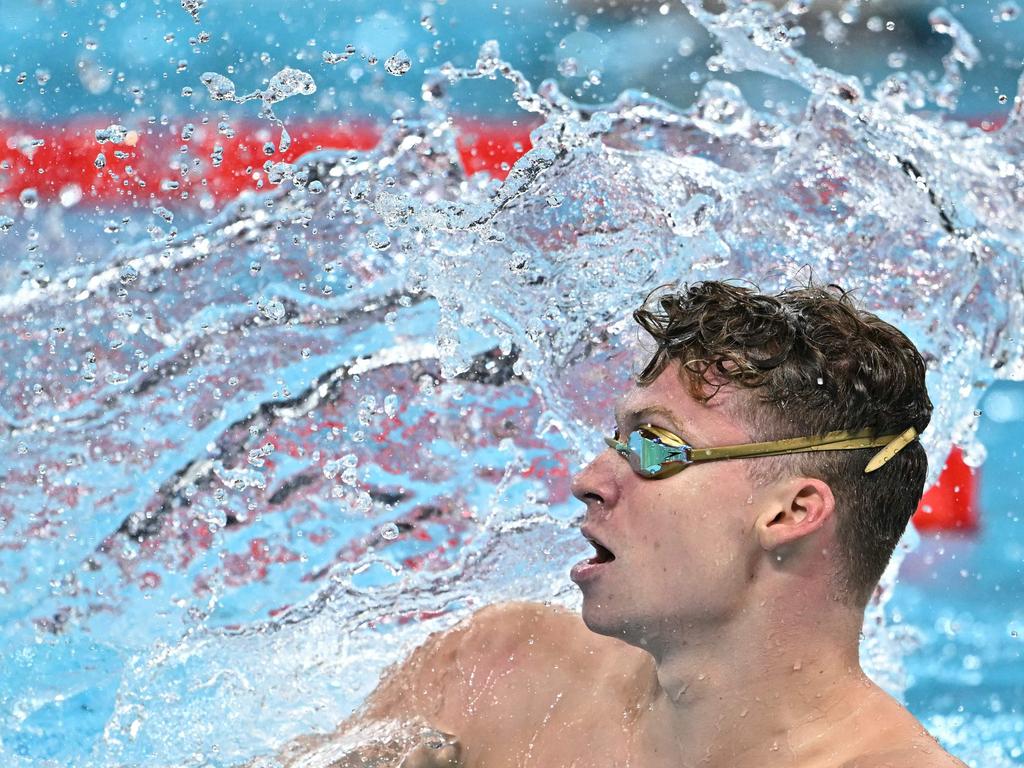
column 621, row 417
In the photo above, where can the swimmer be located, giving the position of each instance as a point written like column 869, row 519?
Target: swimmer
column 760, row 472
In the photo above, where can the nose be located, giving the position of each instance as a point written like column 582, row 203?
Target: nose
column 596, row 484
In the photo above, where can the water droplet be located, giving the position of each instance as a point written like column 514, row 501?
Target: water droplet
column 115, row 134
column 1008, row 11
column 389, row 531
column 128, row 274
column 273, row 310
column 315, row 187
column 70, row 194
column 288, row 82
column 331, row 57
column 568, row 67
column 896, row 59
column 378, row 238
column 220, row 87
column 6, row 222
column 398, row 64
column 29, row 198
column 332, row 468
column 192, row 7
column 391, row 405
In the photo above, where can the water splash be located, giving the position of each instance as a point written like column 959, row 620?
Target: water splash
column 217, row 430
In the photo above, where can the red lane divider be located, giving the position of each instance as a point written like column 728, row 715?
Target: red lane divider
column 58, row 160
column 158, row 162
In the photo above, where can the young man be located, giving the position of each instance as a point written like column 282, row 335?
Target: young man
column 763, row 468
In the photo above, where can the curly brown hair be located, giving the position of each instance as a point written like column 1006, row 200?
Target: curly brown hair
column 813, row 363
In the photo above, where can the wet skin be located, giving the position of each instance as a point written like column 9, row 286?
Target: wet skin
column 713, row 638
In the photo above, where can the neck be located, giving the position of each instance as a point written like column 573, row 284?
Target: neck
column 755, row 695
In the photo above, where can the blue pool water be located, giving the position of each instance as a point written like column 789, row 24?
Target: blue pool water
column 250, row 459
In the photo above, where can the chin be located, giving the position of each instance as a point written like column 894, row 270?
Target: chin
column 603, row 619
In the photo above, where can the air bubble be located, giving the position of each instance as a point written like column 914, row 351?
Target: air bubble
column 389, row 531
column 29, row 198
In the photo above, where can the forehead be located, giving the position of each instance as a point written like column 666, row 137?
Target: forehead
column 667, row 400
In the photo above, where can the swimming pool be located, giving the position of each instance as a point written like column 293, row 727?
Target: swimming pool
column 256, row 447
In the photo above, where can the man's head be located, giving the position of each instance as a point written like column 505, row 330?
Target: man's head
column 742, row 366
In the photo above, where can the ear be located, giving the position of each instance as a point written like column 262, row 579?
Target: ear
column 795, row 508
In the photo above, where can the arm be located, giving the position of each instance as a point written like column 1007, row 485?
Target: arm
column 422, row 712
column 487, row 689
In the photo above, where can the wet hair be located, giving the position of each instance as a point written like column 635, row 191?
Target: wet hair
column 811, row 362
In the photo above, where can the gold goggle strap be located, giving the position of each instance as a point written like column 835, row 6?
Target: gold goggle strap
column 833, row 441
column 901, row 441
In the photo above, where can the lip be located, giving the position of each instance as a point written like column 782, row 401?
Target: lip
column 589, row 535
column 586, row 570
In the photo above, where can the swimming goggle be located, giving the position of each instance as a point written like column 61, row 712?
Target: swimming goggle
column 654, row 453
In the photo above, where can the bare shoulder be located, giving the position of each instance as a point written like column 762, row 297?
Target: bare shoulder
column 507, row 662
column 550, row 639
column 922, row 752
column 887, row 735
column 481, row 653
column 509, row 625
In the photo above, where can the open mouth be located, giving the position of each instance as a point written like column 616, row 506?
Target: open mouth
column 602, row 553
